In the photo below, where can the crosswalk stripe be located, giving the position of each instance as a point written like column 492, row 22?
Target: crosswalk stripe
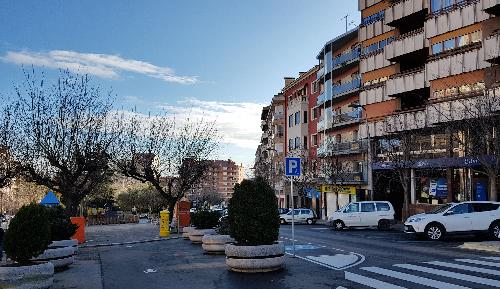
column 479, row 262
column 465, row 268
column 492, row 258
column 372, row 283
column 453, row 275
column 413, row 278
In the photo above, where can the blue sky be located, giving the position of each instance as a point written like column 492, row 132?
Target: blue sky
column 221, row 58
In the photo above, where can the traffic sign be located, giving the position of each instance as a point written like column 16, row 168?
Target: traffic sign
column 292, row 167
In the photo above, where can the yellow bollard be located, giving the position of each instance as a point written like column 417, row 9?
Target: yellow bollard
column 164, row 229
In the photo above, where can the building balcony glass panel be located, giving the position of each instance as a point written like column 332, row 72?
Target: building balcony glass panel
column 320, row 72
column 345, row 88
column 406, row 81
column 492, row 48
column 400, row 10
column 347, row 118
column 322, row 98
column 405, row 44
column 329, row 147
column 345, row 58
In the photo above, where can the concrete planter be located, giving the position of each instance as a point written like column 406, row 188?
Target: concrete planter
column 195, row 235
column 253, row 259
column 60, row 257
column 215, row 244
column 36, row 276
column 185, row 232
column 65, row 243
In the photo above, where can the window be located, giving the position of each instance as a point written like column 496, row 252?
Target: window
column 463, row 40
column 449, row 44
column 484, row 207
column 290, row 120
column 383, row 207
column 355, row 135
column 297, row 117
column 315, row 86
column 305, row 142
column 290, row 144
column 297, row 142
column 460, row 209
column 367, row 207
column 314, row 139
column 352, row 208
column 304, row 212
column 305, row 116
column 475, row 37
column 437, row 48
column 314, row 113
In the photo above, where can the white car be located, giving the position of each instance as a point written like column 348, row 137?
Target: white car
column 301, row 216
column 452, row 218
column 378, row 214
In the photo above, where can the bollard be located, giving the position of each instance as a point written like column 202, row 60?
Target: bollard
column 164, row 229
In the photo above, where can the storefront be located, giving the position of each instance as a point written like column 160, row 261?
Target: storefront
column 337, row 196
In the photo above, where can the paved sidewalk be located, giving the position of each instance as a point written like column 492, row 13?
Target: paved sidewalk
column 490, row 246
column 84, row 273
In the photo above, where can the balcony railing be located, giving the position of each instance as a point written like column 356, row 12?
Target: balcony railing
column 345, row 88
column 492, row 48
column 278, row 116
column 406, row 81
column 405, row 44
column 321, row 99
column 401, row 9
column 320, row 72
column 347, row 57
column 325, row 120
column 349, row 117
column 328, row 147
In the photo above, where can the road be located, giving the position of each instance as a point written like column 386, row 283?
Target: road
column 367, row 258
column 325, row 259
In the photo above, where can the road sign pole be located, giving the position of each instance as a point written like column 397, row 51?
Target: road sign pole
column 293, row 216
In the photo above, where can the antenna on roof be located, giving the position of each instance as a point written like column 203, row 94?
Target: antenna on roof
column 347, row 15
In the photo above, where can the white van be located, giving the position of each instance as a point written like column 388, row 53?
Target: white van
column 364, row 214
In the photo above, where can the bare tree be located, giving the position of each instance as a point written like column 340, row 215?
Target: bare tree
column 63, row 134
column 336, row 173
column 9, row 167
column 167, row 153
column 308, row 175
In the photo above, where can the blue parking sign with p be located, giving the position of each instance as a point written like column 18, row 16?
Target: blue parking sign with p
column 292, row 167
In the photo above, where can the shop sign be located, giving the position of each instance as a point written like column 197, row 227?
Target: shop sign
column 480, row 191
column 351, row 190
column 438, row 188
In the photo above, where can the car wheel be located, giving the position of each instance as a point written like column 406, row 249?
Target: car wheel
column 309, row 221
column 384, row 225
column 434, row 232
column 338, row 225
column 495, row 230
column 282, row 221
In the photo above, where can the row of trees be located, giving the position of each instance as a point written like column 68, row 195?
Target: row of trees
column 68, row 137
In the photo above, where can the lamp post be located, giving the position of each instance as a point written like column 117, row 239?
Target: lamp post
column 369, row 152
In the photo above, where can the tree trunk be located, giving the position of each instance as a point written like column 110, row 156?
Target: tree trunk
column 492, row 179
column 171, row 206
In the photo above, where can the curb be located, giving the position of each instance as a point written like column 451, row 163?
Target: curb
column 129, row 243
column 480, row 247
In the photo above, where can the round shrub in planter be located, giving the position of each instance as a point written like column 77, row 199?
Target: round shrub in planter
column 204, row 222
column 216, row 244
column 185, row 232
column 254, row 224
column 28, row 236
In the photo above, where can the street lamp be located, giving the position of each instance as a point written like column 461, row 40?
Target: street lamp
column 369, row 153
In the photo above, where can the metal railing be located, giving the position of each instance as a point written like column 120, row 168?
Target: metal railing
column 352, row 116
column 346, row 57
column 346, row 87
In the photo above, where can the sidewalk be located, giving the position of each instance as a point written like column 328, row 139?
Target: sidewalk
column 84, row 273
column 490, row 246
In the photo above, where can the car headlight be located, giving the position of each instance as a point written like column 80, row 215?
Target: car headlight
column 415, row 220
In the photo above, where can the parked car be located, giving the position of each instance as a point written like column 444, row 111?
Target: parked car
column 378, row 214
column 300, row 216
column 457, row 218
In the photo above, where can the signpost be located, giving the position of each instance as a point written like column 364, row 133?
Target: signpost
column 292, row 169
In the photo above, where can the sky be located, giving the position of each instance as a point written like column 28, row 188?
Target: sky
column 223, row 59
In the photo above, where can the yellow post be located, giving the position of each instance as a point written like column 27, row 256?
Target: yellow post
column 164, row 229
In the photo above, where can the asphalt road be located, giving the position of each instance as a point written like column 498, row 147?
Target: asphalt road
column 325, row 259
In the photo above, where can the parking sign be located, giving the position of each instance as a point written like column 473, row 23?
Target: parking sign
column 292, row 167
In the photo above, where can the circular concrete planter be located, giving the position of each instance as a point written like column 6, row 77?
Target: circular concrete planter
column 60, row 257
column 64, row 243
column 35, row 276
column 185, row 232
column 253, row 259
column 215, row 244
column 196, row 235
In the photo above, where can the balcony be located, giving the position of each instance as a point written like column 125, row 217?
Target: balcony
column 406, row 121
column 454, row 17
column 373, row 61
column 345, row 60
column 492, row 7
column 402, row 11
column 347, row 118
column 320, row 72
column 328, row 147
column 406, row 45
column 373, row 94
column 492, row 49
column 362, row 4
column 464, row 60
column 346, row 88
column 321, row 99
column 405, row 82
column 373, row 29
column 278, row 116
column 325, row 120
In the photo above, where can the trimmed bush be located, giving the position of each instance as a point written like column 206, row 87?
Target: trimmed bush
column 223, row 228
column 253, row 213
column 61, row 227
column 28, row 234
column 205, row 219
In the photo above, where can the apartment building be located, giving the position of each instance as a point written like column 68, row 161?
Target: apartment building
column 298, row 94
column 342, row 152
column 421, row 60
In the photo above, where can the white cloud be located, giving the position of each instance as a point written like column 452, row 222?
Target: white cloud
column 102, row 65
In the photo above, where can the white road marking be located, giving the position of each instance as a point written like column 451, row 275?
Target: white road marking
column 147, row 271
column 320, row 228
column 339, row 261
column 341, row 287
column 372, row 283
column 413, row 278
column 478, row 262
column 492, row 258
column 465, row 268
column 453, row 275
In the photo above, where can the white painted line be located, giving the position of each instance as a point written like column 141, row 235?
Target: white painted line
column 309, row 243
column 478, row 262
column 336, row 249
column 492, row 258
column 372, row 283
column 453, row 275
column 465, row 267
column 330, row 266
column 341, row 287
column 412, row 278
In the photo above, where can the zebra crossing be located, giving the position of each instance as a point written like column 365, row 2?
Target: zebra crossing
column 482, row 272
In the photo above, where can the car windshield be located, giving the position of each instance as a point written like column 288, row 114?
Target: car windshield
column 440, row 209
